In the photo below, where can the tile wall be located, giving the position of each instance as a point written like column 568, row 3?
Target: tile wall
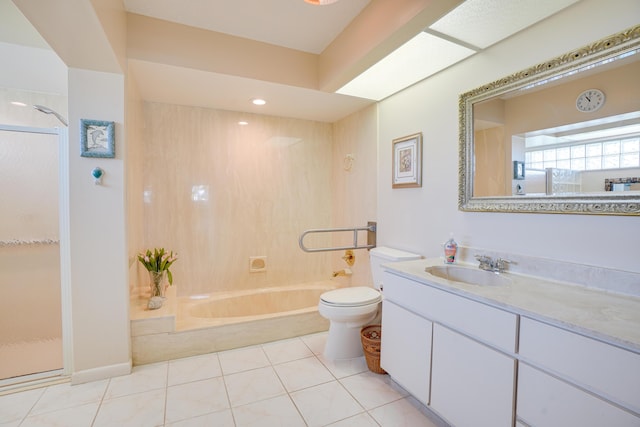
column 219, row 193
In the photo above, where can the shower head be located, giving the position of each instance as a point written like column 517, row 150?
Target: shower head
column 48, row 110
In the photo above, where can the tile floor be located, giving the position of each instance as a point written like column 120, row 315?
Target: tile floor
column 285, row 383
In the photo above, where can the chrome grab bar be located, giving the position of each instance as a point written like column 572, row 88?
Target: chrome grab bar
column 370, row 228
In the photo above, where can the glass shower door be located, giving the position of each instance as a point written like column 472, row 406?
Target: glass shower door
column 30, row 285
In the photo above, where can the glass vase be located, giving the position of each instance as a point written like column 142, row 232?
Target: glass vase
column 158, row 283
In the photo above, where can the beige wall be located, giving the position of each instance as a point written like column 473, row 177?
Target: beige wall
column 354, row 190
column 491, row 152
column 266, row 182
column 135, row 184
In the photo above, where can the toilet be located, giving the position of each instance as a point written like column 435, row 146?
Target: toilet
column 349, row 309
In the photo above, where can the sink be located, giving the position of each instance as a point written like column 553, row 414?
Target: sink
column 469, row 276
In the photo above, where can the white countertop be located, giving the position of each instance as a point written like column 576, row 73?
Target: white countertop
column 610, row 317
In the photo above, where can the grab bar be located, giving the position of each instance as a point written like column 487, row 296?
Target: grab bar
column 370, row 228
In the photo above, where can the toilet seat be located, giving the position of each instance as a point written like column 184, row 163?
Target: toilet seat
column 351, row 297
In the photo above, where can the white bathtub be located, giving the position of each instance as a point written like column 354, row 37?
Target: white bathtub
column 188, row 326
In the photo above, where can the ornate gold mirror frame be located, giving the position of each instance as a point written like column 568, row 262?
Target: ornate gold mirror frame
column 624, row 44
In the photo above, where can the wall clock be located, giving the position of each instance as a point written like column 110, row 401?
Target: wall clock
column 590, row 100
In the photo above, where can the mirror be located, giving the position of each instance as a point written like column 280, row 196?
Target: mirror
column 559, row 137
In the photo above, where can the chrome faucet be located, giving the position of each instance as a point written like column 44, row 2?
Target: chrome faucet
column 487, row 263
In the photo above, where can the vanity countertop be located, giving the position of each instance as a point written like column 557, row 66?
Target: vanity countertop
column 610, row 317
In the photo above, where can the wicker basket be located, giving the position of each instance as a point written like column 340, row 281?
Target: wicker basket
column 371, row 345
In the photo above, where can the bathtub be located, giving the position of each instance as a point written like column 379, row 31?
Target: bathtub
column 188, row 326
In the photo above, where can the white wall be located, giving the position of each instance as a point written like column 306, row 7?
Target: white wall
column 33, row 69
column 420, row 219
column 101, row 345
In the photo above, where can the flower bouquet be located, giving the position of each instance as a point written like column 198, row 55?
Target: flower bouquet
column 157, row 264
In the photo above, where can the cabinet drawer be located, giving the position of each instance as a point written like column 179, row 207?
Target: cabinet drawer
column 546, row 401
column 488, row 324
column 610, row 371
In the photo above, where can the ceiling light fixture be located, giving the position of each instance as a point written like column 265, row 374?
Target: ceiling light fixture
column 320, row 2
column 258, row 101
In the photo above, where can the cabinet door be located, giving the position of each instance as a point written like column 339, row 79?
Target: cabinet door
column 546, row 401
column 471, row 384
column 406, row 349
column 599, row 367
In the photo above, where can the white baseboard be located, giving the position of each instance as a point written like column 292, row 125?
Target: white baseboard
column 101, row 373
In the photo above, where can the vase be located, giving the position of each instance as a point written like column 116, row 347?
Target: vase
column 158, row 283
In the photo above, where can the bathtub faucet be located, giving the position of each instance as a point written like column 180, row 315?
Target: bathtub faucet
column 343, row 272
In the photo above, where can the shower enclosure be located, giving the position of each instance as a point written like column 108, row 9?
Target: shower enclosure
column 31, row 307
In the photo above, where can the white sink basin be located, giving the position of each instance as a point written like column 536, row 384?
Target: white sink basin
column 469, row 276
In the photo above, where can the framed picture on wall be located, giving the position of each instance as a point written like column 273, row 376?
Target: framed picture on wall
column 97, row 139
column 407, row 161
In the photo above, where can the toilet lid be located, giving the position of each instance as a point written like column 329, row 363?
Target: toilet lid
column 355, row 296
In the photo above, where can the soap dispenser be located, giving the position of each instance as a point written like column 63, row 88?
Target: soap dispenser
column 450, row 250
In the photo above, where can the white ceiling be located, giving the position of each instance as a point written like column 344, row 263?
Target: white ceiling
column 16, row 29
column 289, row 23
column 292, row 24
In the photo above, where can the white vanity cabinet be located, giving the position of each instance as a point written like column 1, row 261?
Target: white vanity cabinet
column 475, row 364
column 469, row 353
column 409, row 335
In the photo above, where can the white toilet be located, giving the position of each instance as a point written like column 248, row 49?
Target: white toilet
column 349, row 309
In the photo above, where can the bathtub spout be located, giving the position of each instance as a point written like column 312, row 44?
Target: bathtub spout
column 343, row 272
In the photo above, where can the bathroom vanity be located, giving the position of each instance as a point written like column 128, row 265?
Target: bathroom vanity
column 522, row 352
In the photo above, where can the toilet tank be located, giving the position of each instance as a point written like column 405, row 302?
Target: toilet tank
column 383, row 255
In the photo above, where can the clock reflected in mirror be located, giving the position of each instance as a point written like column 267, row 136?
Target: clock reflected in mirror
column 590, row 100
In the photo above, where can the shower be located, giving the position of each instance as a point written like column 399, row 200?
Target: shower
column 30, row 253
column 48, row 110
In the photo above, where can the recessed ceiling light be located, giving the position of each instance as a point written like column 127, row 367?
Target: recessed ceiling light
column 19, row 104
column 258, row 101
column 243, row 123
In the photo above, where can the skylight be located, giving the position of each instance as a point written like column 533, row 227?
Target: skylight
column 472, row 26
column 417, row 59
column 485, row 22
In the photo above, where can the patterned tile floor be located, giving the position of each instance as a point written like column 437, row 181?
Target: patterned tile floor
column 285, row 383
